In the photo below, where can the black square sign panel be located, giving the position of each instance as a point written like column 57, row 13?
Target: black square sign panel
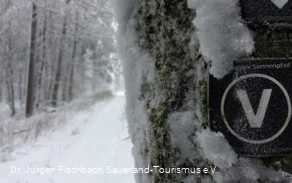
column 266, row 11
column 252, row 107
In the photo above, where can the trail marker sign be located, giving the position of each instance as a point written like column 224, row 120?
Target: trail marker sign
column 252, row 107
column 266, row 11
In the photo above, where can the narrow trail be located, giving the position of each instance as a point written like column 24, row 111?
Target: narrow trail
column 90, row 146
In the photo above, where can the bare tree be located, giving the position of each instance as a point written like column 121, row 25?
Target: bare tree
column 31, row 66
column 59, row 64
column 72, row 63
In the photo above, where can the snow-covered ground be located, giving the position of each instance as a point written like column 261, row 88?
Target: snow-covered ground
column 95, row 141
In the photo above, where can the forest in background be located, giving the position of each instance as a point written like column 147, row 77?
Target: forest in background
column 52, row 52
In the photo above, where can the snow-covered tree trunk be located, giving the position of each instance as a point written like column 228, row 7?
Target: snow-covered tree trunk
column 165, row 32
column 166, row 88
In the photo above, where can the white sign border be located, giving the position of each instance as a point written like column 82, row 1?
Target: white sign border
column 258, row 76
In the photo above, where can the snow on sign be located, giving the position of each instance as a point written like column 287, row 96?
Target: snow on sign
column 266, row 11
column 252, row 107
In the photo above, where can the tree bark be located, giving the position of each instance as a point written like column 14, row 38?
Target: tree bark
column 10, row 87
column 31, row 66
column 59, row 64
column 72, row 63
column 167, row 23
column 19, row 89
column 166, row 35
column 42, row 62
column 9, row 79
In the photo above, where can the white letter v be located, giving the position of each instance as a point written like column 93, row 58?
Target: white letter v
column 255, row 121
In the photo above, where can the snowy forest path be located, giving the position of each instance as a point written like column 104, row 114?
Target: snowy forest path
column 96, row 141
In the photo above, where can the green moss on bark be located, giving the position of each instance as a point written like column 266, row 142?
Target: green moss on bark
column 203, row 93
column 161, row 150
column 165, row 29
